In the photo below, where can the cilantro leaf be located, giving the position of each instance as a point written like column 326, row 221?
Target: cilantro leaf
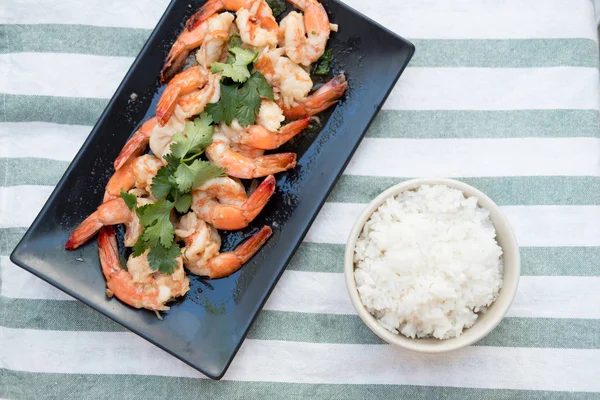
column 161, row 184
column 191, row 176
column 323, row 64
column 196, row 136
column 238, row 69
column 249, row 98
column 130, row 199
column 156, row 219
column 163, row 259
column 183, row 203
column 235, row 41
column 277, row 6
column 224, row 109
column 140, row 247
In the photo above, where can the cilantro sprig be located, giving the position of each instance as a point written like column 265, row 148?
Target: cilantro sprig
column 277, row 6
column 171, row 186
column 323, row 64
column 237, row 67
column 241, row 91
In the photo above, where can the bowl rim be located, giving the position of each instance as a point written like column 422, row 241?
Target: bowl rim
column 507, row 291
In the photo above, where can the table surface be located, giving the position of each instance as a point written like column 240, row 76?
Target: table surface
column 500, row 94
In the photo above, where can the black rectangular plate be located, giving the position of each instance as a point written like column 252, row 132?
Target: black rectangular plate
column 206, row 328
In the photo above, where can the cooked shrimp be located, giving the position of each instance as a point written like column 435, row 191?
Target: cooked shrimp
column 259, row 137
column 186, row 82
column 159, row 137
column 247, row 151
column 137, row 172
column 214, row 43
column 296, row 27
column 291, row 83
column 136, row 144
column 194, row 103
column 160, row 140
column 323, row 98
column 133, row 228
column 138, row 286
column 212, row 48
column 262, row 12
column 202, row 243
column 222, row 202
column 251, row 30
column 238, row 165
column 190, row 39
column 112, row 212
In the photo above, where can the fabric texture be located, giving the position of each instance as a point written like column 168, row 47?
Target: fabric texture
column 500, row 94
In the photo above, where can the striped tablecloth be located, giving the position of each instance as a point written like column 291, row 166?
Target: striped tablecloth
column 502, row 94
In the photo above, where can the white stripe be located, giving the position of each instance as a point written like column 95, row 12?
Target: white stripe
column 469, row 19
column 477, row 157
column 21, row 204
column 495, row 89
column 20, row 284
column 537, row 297
column 267, row 360
column 30, row 139
column 70, row 75
column 397, row 157
column 533, row 225
column 131, row 13
column 476, row 19
column 321, row 292
column 80, row 75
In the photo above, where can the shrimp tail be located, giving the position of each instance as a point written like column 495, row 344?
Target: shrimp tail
column 259, row 198
column 226, row 264
column 166, row 104
column 274, row 163
column 108, row 251
column 112, row 212
column 136, row 144
column 210, row 8
column 84, row 232
column 122, row 179
column 261, row 138
column 175, row 59
column 326, row 96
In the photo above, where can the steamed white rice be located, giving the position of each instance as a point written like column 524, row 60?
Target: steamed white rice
column 427, row 262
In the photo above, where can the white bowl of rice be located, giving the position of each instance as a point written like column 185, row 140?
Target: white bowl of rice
column 432, row 265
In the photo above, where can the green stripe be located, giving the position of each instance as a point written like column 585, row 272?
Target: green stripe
column 30, row 385
column 80, row 39
column 527, row 190
column 446, row 124
column 327, row 257
column 305, row 327
column 500, row 53
column 486, row 53
column 535, row 261
column 512, row 332
column 538, row 190
column 409, row 124
column 60, row 110
column 18, row 171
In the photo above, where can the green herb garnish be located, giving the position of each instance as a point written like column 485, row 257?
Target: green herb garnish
column 171, row 186
column 323, row 64
column 236, row 68
column 235, row 41
column 277, row 6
